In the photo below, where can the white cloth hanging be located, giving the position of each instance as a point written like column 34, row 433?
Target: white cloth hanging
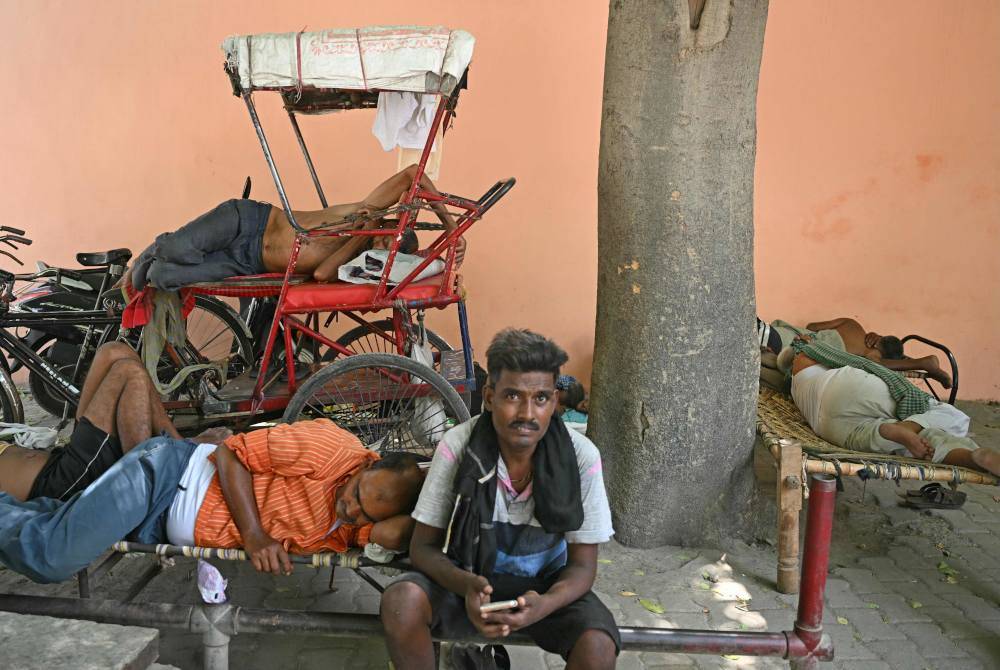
column 404, row 119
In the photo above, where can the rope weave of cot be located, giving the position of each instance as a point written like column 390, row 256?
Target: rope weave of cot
column 778, row 417
column 349, row 559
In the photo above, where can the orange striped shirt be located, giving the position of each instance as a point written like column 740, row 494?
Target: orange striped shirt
column 296, row 470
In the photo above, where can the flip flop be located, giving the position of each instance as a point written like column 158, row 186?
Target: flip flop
column 933, row 496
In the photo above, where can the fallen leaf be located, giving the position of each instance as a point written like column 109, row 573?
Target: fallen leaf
column 282, row 589
column 652, row 605
column 705, row 586
column 604, row 561
column 916, row 604
column 951, row 579
column 947, row 570
column 627, row 594
column 639, row 573
column 939, row 545
column 996, row 499
column 731, row 657
column 871, row 606
column 704, row 610
column 842, row 621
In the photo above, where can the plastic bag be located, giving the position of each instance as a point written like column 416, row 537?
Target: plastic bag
column 429, row 421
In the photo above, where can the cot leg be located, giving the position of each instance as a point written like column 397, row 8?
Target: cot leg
column 333, row 573
column 216, row 647
column 83, row 583
column 789, row 496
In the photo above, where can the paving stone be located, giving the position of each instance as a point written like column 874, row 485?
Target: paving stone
column 870, row 625
column 35, row 642
column 967, row 663
column 936, row 583
column 960, row 522
column 838, row 594
column 931, row 642
column 979, row 513
column 957, row 626
column 974, row 607
column 895, row 609
column 916, row 544
column 917, row 591
column 898, row 654
column 885, row 568
column 862, row 581
column 654, row 661
column 847, row 646
column 859, row 665
column 975, row 558
column 779, row 619
column 985, row 649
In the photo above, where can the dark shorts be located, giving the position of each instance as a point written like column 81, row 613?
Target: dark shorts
column 71, row 469
column 226, row 241
column 556, row 633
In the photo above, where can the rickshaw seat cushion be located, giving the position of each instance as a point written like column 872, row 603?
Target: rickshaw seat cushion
column 317, row 296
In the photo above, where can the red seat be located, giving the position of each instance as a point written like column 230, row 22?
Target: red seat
column 313, row 296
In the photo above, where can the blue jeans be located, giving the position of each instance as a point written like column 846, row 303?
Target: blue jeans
column 49, row 540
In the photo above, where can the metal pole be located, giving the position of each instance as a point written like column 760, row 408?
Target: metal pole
column 248, row 99
column 217, row 620
column 809, row 645
column 309, row 161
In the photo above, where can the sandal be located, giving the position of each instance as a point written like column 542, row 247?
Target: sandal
column 933, row 496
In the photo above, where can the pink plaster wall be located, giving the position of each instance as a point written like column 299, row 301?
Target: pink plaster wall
column 877, row 131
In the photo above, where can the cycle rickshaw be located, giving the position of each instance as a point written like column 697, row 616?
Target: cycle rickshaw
column 365, row 380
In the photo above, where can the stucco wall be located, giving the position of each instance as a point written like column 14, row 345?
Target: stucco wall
column 877, row 184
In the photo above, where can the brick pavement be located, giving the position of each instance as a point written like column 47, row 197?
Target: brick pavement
column 890, row 601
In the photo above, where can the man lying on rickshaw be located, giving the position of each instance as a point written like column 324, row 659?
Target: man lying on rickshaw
column 307, row 487
column 247, row 237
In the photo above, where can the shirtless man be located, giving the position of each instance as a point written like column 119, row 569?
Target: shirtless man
column 246, row 237
column 119, row 408
column 884, row 349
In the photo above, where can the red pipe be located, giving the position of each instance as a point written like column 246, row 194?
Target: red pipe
column 809, row 644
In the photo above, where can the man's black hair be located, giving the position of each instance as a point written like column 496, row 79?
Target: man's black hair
column 408, row 243
column 891, row 348
column 518, row 350
column 575, row 395
column 406, row 466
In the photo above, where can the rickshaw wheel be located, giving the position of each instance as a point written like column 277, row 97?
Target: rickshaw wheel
column 391, row 403
column 361, row 340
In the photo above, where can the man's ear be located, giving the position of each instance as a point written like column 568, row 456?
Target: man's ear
column 488, row 392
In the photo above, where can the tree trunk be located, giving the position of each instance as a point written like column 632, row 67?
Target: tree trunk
column 676, row 365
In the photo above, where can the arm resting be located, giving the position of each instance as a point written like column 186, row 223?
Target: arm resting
column 393, row 533
column 426, row 556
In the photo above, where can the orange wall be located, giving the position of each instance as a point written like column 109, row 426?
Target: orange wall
column 875, row 130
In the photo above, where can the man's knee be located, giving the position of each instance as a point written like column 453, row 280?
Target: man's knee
column 596, row 645
column 404, row 606
column 115, row 351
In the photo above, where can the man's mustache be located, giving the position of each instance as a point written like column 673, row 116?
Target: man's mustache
column 526, row 424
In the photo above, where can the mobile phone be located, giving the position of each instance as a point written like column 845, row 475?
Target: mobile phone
column 498, row 605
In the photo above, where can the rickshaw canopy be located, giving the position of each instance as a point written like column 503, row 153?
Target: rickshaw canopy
column 417, row 59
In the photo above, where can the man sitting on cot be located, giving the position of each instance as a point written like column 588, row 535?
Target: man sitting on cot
column 302, row 488
column 118, row 409
column 246, row 237
column 848, row 335
column 860, row 405
column 513, row 510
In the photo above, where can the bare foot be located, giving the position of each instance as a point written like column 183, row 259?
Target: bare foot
column 916, row 445
column 940, row 376
column 987, row 459
column 215, row 435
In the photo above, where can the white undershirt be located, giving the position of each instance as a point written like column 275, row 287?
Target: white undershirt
column 807, row 391
column 191, row 492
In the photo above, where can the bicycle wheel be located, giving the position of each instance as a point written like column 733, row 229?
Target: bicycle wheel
column 62, row 356
column 10, row 399
column 361, row 340
column 389, row 402
column 217, row 333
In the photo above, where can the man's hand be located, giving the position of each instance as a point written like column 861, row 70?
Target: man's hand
column 460, row 248
column 531, row 608
column 267, row 554
column 477, row 594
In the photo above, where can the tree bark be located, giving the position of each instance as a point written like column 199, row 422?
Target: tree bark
column 676, row 364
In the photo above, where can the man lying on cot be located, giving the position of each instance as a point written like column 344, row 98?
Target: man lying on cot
column 119, row 408
column 302, row 488
column 848, row 335
column 860, row 405
column 246, row 237
column 513, row 510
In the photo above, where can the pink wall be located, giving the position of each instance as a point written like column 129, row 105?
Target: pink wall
column 876, row 128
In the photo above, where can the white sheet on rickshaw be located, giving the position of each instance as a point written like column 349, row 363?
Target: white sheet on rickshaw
column 368, row 267
column 420, row 59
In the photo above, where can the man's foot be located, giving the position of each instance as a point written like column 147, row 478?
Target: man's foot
column 916, row 445
column 940, row 376
column 987, row 459
column 216, row 435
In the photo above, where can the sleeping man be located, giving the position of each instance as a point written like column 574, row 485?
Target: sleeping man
column 246, row 237
column 302, row 488
column 860, row 405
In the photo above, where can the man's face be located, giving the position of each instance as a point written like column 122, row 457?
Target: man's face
column 522, row 404
column 369, row 496
column 382, row 242
column 872, row 340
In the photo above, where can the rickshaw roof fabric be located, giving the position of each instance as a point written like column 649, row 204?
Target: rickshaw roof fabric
column 418, row 59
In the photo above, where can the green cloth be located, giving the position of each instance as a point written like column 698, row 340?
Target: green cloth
column 909, row 399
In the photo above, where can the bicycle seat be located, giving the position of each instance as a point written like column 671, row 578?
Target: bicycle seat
column 113, row 257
